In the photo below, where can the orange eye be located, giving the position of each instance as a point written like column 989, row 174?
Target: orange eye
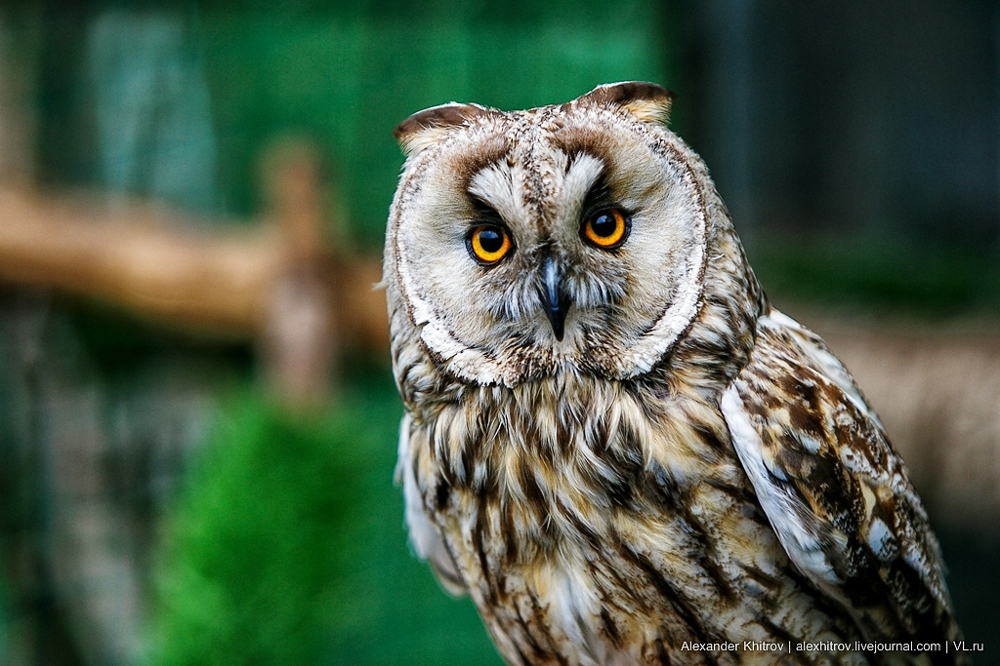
column 488, row 244
column 608, row 228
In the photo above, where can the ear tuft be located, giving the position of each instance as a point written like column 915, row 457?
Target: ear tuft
column 428, row 127
column 648, row 102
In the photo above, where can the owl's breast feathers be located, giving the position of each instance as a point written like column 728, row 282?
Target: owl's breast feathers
column 601, row 522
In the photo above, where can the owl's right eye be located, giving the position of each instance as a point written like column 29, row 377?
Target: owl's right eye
column 607, row 229
column 488, row 244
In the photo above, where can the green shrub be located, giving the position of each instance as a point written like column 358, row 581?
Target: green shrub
column 287, row 547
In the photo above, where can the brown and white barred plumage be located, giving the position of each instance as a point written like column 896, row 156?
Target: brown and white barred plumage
column 698, row 470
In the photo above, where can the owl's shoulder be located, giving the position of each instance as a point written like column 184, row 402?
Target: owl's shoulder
column 833, row 487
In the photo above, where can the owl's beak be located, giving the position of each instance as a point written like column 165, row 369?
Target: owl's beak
column 553, row 299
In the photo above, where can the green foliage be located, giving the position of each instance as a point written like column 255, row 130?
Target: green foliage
column 287, row 547
column 259, row 543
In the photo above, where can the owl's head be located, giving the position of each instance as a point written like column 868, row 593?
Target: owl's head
column 564, row 238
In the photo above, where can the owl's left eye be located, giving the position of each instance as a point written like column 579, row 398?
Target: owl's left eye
column 607, row 228
column 488, row 244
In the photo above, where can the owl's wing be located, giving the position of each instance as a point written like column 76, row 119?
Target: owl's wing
column 833, row 487
column 424, row 535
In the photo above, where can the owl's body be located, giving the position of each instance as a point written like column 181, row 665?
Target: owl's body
column 612, row 442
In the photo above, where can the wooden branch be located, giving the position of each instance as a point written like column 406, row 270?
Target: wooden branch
column 171, row 267
column 140, row 258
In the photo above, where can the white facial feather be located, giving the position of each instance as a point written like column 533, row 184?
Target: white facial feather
column 581, row 175
column 495, row 185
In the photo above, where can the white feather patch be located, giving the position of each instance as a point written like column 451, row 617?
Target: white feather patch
column 785, row 512
column 879, row 537
column 495, row 186
column 580, row 177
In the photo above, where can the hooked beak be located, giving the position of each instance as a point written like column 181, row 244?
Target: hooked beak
column 554, row 301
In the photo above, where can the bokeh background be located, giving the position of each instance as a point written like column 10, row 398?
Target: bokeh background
column 197, row 415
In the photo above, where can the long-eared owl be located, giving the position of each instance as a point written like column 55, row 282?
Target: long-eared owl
column 611, row 440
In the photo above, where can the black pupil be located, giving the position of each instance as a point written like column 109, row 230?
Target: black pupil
column 604, row 225
column 491, row 240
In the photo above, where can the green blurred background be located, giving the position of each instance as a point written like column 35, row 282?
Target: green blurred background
column 856, row 143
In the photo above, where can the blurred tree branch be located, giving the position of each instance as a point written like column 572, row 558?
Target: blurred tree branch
column 140, row 258
column 162, row 265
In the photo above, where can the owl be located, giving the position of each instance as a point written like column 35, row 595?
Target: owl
column 611, row 441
